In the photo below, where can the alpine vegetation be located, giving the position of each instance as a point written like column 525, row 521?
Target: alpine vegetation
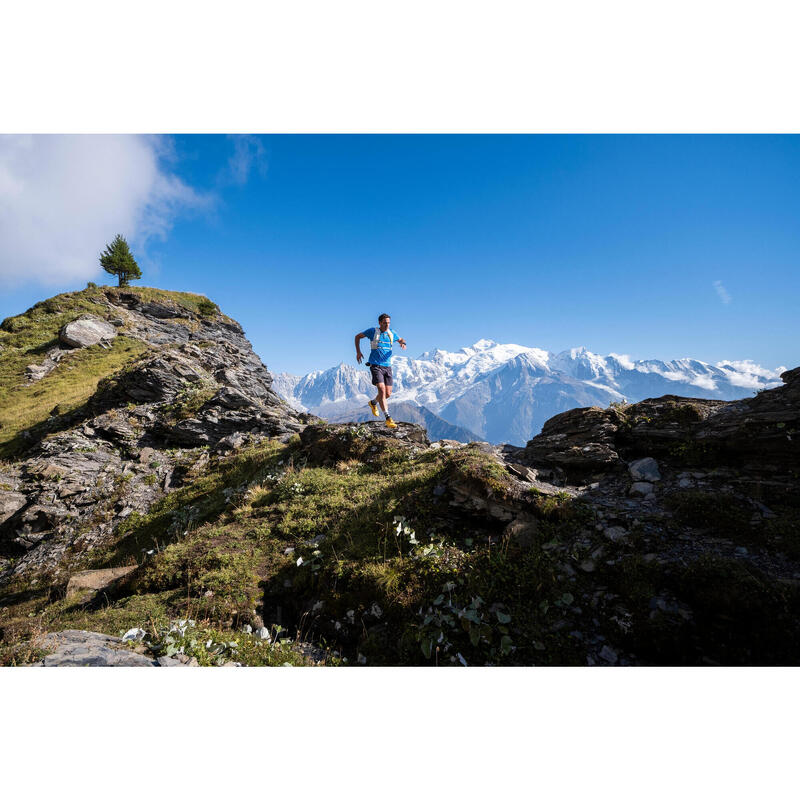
column 162, row 505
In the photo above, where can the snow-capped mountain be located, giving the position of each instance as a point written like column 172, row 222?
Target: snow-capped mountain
column 505, row 392
column 320, row 388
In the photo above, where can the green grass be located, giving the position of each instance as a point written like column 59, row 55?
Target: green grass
column 26, row 338
column 219, row 552
column 219, row 557
column 188, row 403
column 151, row 612
column 223, row 549
column 25, row 406
column 190, row 301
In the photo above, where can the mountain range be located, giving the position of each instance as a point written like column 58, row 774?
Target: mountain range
column 505, row 392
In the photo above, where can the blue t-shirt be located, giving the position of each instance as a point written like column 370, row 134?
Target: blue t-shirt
column 382, row 357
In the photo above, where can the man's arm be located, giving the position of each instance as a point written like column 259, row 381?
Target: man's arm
column 402, row 342
column 359, row 355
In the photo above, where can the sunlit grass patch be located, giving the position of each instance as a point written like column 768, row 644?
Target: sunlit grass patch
column 210, row 495
column 65, row 389
column 480, row 470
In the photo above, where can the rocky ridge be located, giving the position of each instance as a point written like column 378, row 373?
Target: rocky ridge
column 198, row 390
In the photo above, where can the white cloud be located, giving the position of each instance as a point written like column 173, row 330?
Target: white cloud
column 704, row 382
column 623, row 360
column 747, row 381
column 750, row 375
column 248, row 154
column 722, row 292
column 63, row 198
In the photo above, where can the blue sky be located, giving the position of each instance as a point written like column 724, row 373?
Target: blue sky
column 652, row 246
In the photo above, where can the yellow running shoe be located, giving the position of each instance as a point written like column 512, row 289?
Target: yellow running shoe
column 390, row 423
column 373, row 407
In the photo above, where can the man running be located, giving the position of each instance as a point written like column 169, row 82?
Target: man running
column 380, row 363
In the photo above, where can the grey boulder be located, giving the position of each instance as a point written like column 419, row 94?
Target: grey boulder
column 86, row 331
column 74, row 648
column 644, row 469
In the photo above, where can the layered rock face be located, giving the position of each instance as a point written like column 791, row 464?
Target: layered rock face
column 759, row 437
column 198, row 389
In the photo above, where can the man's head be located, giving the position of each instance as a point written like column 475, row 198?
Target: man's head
column 383, row 321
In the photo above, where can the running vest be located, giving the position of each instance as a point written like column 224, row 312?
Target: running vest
column 376, row 338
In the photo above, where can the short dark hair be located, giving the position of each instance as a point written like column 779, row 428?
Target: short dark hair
column 382, row 317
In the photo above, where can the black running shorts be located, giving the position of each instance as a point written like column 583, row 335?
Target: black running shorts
column 380, row 375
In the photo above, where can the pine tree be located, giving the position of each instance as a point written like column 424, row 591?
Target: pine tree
column 118, row 260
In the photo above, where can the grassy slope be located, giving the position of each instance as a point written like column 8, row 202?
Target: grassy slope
column 220, row 550
column 26, row 338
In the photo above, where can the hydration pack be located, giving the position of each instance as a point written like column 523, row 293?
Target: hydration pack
column 376, row 338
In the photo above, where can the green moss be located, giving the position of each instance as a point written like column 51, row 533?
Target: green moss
column 205, row 499
column 219, row 566
column 188, row 403
column 480, row 471
column 693, row 451
column 207, row 308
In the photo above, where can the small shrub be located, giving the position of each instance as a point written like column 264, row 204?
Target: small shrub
column 207, row 308
column 450, row 626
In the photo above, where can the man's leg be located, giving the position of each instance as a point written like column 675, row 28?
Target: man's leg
column 381, row 398
column 388, row 392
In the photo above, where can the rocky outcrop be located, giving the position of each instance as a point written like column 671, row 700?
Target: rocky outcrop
column 327, row 444
column 35, row 372
column 10, row 503
column 198, row 386
column 759, row 436
column 659, row 532
column 577, row 442
column 89, row 649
